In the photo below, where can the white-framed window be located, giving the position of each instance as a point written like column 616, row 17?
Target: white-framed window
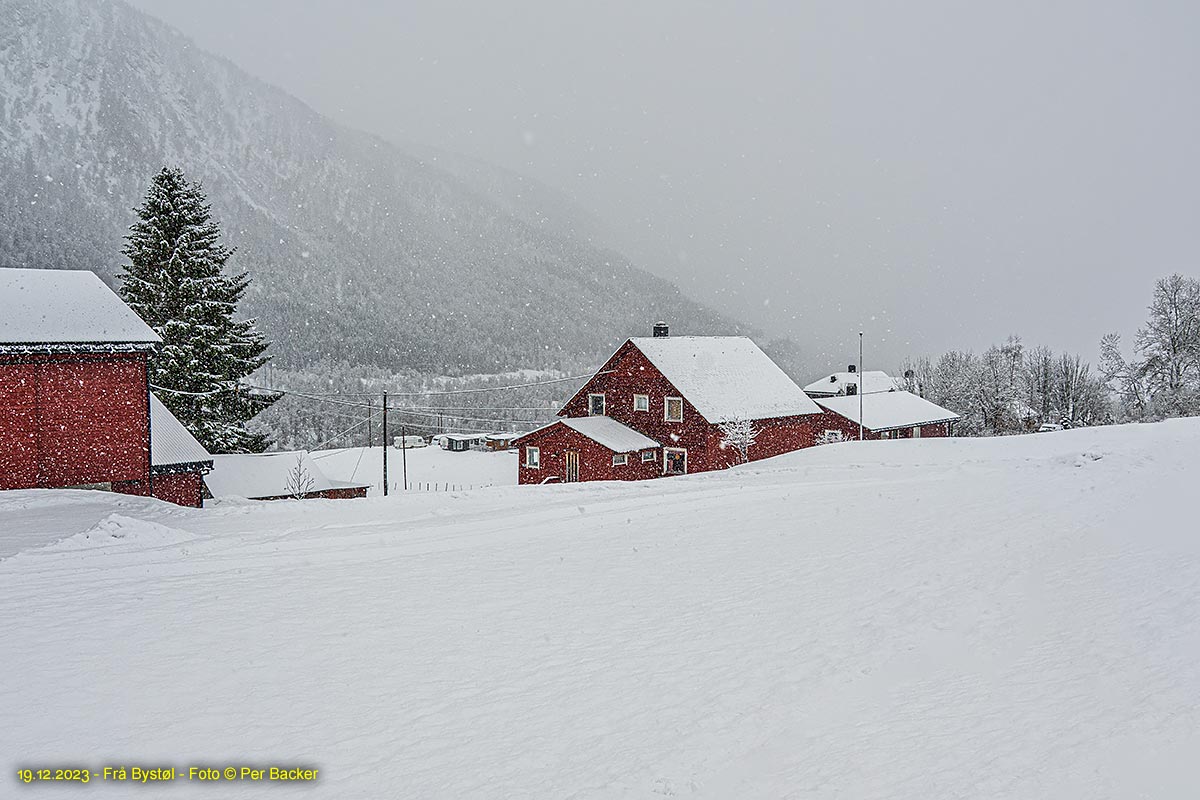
column 673, row 409
column 916, row 432
column 641, row 402
column 649, row 455
column 620, row 459
column 596, row 405
column 533, row 457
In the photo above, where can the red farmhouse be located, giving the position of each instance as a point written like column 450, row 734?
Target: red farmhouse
column 74, row 391
column 663, row 400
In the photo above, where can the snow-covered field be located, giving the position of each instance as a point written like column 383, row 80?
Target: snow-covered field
column 429, row 468
column 914, row 619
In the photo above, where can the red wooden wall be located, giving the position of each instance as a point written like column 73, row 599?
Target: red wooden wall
column 73, row 420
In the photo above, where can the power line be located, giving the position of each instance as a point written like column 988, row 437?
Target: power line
column 426, row 392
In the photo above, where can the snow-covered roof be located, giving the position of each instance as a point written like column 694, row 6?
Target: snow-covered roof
column 42, row 308
column 883, row 411
column 462, row 437
column 170, row 442
column 604, row 431
column 835, row 384
column 725, row 377
column 265, row 475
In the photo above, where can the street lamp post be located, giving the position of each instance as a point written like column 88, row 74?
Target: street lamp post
column 861, row 385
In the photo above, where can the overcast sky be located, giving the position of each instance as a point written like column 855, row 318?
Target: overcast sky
column 940, row 174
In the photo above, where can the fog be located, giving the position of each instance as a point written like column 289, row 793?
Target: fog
column 937, row 175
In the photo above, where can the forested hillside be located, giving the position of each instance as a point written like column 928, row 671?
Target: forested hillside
column 360, row 252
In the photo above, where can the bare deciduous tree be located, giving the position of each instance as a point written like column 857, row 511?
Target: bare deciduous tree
column 299, row 482
column 738, row 434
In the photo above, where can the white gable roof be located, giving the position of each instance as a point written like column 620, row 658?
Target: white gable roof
column 264, row 475
column 872, row 381
column 604, row 431
column 883, row 411
column 64, row 307
column 726, row 377
column 170, row 442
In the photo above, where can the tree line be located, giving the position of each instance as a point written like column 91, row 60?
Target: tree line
column 1010, row 388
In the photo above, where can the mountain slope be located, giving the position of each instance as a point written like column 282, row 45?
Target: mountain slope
column 360, row 252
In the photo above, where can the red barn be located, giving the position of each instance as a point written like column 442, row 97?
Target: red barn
column 73, row 385
column 885, row 415
column 675, row 393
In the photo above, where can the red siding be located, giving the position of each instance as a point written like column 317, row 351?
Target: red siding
column 76, row 420
column 595, row 460
column 629, row 372
column 849, row 429
column 180, row 488
column 18, row 426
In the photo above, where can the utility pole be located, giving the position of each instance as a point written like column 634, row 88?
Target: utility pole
column 861, row 386
column 370, row 423
column 404, row 456
column 385, row 486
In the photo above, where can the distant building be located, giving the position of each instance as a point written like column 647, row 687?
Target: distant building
column 885, row 415
column 75, row 393
column 461, row 442
column 663, row 400
column 276, row 476
column 850, row 383
column 500, row 441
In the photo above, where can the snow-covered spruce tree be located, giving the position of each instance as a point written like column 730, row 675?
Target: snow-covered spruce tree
column 176, row 281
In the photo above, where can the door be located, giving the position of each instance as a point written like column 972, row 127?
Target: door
column 674, row 461
column 571, row 459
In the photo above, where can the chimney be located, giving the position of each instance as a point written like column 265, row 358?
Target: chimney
column 851, row 369
column 660, row 330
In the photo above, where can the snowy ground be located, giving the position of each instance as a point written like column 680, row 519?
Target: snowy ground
column 917, row 619
column 429, row 468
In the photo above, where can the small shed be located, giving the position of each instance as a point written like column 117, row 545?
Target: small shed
column 178, row 462
column 885, row 415
column 276, row 476
column 586, row 449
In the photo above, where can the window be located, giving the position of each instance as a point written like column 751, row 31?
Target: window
column 673, row 409
column 620, row 459
column 674, row 461
column 851, row 388
column 596, row 405
column 533, row 457
column 641, row 402
column 648, row 455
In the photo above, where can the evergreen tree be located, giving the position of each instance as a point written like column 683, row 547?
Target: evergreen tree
column 176, row 281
